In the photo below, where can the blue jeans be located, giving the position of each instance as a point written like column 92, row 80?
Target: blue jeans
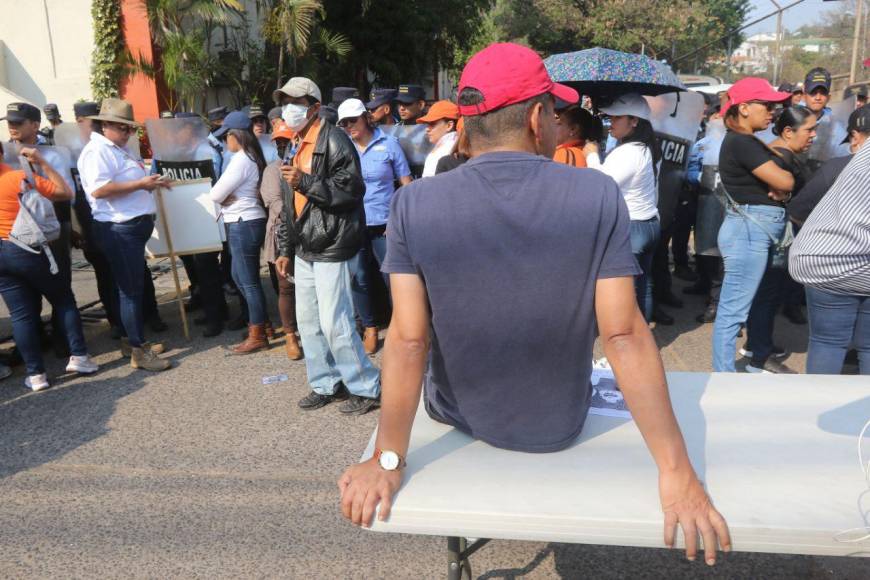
column 324, row 311
column 245, row 239
column 124, row 247
column 836, row 321
column 374, row 247
column 746, row 251
column 644, row 239
column 23, row 277
column 762, row 314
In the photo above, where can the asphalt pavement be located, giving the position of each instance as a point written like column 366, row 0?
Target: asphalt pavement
column 205, row 472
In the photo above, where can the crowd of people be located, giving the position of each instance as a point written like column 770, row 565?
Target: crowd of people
column 316, row 206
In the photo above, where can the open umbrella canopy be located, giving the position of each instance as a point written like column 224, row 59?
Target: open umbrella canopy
column 609, row 73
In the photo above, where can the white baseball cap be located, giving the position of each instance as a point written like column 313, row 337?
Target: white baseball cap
column 298, row 87
column 629, row 104
column 351, row 108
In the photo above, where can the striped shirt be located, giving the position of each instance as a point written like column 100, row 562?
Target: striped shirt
column 832, row 250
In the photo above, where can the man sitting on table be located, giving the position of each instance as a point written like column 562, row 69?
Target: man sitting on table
column 509, row 261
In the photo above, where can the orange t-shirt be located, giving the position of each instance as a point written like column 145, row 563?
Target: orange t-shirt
column 302, row 161
column 571, row 153
column 10, row 187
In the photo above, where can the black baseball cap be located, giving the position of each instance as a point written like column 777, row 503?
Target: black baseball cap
column 218, row 114
column 341, row 94
column 410, row 94
column 255, row 112
column 789, row 88
column 86, row 109
column 816, row 78
column 51, row 111
column 859, row 120
column 380, row 97
column 185, row 115
column 18, row 112
column 858, row 91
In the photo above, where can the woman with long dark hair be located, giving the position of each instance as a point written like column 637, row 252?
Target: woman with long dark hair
column 795, row 128
column 756, row 187
column 633, row 164
column 238, row 193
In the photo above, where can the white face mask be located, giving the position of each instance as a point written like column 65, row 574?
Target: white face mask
column 296, row 116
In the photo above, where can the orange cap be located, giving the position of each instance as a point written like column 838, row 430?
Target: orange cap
column 282, row 131
column 441, row 110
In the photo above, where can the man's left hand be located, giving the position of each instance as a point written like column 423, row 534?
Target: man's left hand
column 363, row 487
column 292, row 175
column 686, row 503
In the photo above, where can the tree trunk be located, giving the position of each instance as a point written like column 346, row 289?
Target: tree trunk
column 280, row 64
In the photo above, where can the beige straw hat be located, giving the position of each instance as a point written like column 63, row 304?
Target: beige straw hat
column 116, row 111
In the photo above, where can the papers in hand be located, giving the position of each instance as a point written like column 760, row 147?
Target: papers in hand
column 607, row 399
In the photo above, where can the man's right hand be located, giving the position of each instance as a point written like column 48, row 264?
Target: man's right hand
column 363, row 487
column 685, row 502
column 282, row 265
column 152, row 182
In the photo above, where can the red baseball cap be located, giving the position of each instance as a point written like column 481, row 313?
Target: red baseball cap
column 754, row 89
column 507, row 74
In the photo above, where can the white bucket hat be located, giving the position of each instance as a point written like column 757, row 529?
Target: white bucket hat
column 629, row 104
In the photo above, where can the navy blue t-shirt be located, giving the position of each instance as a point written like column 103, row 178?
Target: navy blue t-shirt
column 509, row 247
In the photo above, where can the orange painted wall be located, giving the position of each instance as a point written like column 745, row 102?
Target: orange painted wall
column 139, row 90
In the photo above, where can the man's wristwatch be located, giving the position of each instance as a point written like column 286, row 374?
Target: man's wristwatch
column 389, row 460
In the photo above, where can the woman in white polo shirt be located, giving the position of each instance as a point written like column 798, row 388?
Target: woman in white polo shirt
column 119, row 193
column 238, row 193
column 633, row 164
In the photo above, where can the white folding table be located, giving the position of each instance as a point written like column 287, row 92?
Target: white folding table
column 778, row 454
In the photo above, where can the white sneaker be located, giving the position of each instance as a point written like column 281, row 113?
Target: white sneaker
column 82, row 364
column 777, row 353
column 37, row 382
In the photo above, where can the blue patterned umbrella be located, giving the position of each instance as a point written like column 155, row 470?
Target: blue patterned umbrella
column 605, row 72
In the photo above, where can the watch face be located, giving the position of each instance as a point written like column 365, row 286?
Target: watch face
column 389, row 460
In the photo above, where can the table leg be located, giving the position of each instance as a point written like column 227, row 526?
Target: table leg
column 458, row 552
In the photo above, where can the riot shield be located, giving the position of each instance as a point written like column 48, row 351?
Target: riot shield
column 414, row 143
column 181, row 149
column 676, row 118
column 70, row 136
column 270, row 151
column 830, row 133
column 711, row 208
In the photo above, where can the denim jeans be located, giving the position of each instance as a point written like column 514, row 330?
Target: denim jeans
column 245, row 239
column 123, row 245
column 746, row 249
column 836, row 321
column 762, row 315
column 644, row 239
column 374, row 247
column 324, row 310
column 23, row 276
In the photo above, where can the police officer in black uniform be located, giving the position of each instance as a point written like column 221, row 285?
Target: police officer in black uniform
column 411, row 102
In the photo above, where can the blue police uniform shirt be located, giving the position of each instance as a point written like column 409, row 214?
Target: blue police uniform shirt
column 510, row 247
column 382, row 162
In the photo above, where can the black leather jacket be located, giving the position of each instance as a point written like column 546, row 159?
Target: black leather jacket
column 332, row 225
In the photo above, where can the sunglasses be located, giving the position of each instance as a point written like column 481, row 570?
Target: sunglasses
column 767, row 104
column 121, row 128
column 347, row 121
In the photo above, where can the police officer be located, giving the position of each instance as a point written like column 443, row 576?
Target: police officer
column 380, row 106
column 259, row 120
column 411, row 102
column 52, row 114
column 329, row 112
column 860, row 94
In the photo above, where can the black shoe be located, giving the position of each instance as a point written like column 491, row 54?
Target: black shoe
column 769, row 367
column 212, row 330
column 194, row 303
column 157, row 325
column 661, row 317
column 709, row 315
column 697, row 290
column 314, row 400
column 794, row 314
column 236, row 324
column 685, row 273
column 669, row 300
column 357, row 405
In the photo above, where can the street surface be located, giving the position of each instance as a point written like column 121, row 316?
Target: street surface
column 205, row 472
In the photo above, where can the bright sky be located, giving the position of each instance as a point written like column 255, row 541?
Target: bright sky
column 805, row 13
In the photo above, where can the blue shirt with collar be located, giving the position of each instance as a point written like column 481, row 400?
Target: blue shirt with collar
column 382, row 162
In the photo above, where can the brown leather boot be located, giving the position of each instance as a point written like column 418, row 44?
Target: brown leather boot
column 291, row 345
column 270, row 332
column 256, row 340
column 370, row 339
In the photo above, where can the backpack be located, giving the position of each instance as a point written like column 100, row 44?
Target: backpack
column 36, row 224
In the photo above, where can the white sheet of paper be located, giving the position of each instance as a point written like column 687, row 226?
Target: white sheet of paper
column 192, row 217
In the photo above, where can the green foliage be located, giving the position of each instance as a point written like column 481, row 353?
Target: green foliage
column 108, row 57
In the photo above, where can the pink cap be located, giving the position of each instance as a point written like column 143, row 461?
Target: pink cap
column 753, row 89
column 507, row 74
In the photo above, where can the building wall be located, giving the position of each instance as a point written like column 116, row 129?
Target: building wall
column 45, row 53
